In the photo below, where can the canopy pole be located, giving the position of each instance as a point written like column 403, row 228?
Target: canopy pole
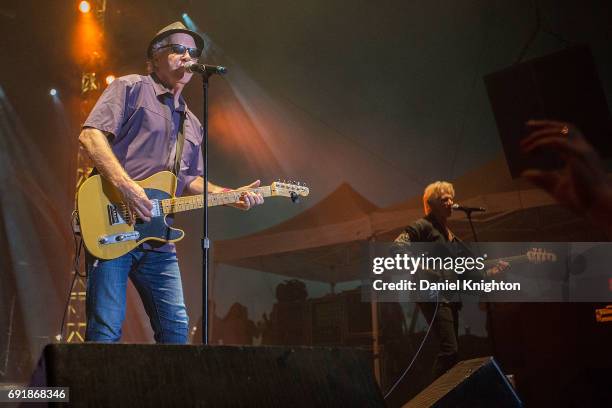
column 375, row 329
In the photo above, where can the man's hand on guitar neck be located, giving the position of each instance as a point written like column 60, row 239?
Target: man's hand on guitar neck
column 136, row 200
column 534, row 255
column 498, row 268
column 248, row 199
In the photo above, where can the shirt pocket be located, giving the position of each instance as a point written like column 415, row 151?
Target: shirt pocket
column 191, row 153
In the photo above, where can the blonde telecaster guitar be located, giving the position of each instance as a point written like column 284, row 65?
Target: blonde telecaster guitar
column 103, row 216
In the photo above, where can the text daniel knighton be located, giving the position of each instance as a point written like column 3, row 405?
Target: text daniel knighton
column 448, row 285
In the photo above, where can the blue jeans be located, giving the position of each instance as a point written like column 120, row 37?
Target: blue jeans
column 157, row 278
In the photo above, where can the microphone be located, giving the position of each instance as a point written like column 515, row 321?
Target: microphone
column 196, row 68
column 468, row 209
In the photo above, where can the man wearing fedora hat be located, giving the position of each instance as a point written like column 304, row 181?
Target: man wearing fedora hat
column 141, row 125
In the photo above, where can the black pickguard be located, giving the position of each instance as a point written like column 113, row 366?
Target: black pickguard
column 157, row 227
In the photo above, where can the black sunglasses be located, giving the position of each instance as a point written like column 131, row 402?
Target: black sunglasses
column 180, row 49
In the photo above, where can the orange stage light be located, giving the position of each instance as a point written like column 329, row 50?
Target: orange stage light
column 84, row 7
column 88, row 43
column 109, row 79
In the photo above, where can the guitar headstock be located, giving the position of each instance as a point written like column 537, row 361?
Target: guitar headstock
column 539, row 255
column 293, row 190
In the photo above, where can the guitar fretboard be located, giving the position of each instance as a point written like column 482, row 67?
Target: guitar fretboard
column 179, row 204
column 510, row 259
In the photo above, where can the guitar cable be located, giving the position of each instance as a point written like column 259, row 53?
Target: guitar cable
column 401, row 377
column 78, row 243
column 76, row 263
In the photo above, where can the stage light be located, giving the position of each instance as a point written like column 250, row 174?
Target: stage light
column 84, row 7
column 88, row 40
column 53, row 92
column 109, row 79
column 189, row 23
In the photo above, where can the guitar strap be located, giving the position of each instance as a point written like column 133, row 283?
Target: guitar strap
column 180, row 141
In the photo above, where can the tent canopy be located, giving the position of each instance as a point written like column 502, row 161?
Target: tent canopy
column 321, row 243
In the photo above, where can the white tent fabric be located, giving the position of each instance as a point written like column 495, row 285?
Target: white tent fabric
column 318, row 244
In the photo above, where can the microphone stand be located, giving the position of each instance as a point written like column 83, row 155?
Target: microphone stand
column 468, row 213
column 206, row 71
column 205, row 239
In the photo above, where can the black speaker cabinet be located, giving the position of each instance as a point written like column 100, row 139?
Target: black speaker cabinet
column 477, row 383
column 136, row 375
column 563, row 86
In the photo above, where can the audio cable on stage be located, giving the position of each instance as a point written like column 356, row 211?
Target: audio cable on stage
column 433, row 319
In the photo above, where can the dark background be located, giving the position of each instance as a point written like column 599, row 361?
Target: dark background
column 387, row 96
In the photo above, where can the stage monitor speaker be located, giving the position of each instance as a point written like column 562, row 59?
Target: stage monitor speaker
column 476, row 383
column 143, row 375
column 563, row 86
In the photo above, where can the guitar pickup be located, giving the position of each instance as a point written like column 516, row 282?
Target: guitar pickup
column 119, row 238
column 113, row 215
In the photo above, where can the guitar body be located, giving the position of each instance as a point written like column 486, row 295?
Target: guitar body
column 103, row 218
column 105, row 232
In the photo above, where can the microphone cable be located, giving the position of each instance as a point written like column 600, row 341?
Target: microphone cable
column 433, row 318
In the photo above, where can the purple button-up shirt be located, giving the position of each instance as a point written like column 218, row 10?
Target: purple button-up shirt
column 139, row 114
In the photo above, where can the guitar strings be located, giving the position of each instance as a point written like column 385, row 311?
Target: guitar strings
column 172, row 202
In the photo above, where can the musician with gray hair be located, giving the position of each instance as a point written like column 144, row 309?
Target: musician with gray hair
column 141, row 125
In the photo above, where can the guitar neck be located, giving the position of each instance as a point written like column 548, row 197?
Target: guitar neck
column 180, row 204
column 510, row 259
